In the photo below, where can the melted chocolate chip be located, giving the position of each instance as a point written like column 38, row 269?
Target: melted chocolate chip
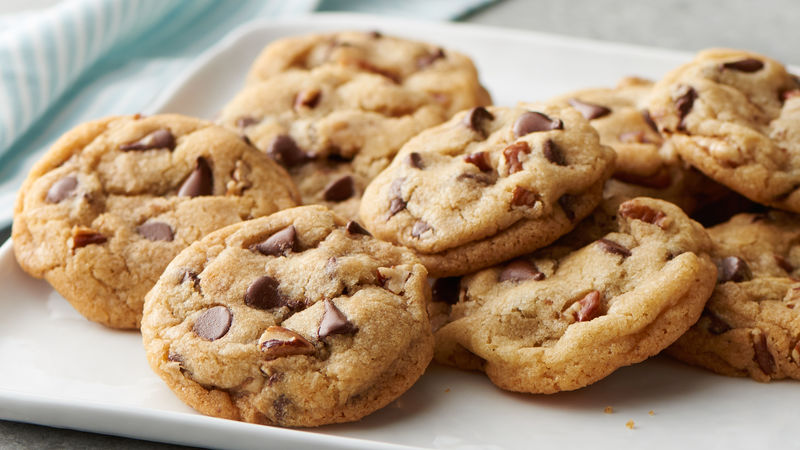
column 339, row 189
column 426, row 60
column 213, row 323
column 511, row 154
column 61, row 189
column 246, row 121
column 613, row 247
column 279, row 406
column 480, row 160
column 523, row 197
column 566, row 202
column 281, row 342
column 84, row 237
column 520, row 270
column 396, row 204
column 161, row 138
column 636, row 211
column 532, row 121
column 589, row 110
column 733, row 269
column 762, row 355
column 589, row 307
column 334, row 322
column 263, row 293
column 783, row 263
column 649, row 120
column 476, row 120
column 716, row 325
column 553, row 153
column 155, row 231
column 354, row 227
column 199, row 182
column 375, row 34
column 285, row 151
column 414, row 160
column 481, row 178
column 446, row 290
column 684, row 104
column 748, row 65
column 280, row 243
column 419, row 228
column 308, row 98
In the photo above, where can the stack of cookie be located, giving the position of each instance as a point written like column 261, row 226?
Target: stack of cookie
column 545, row 244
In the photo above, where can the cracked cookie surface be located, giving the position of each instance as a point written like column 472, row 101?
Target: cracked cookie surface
column 114, row 200
column 751, row 324
column 297, row 319
column 735, row 116
column 490, row 184
column 565, row 317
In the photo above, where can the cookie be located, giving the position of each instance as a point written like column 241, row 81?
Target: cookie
column 750, row 326
column 490, row 184
column 735, row 116
column 556, row 321
column 334, row 109
column 104, row 211
column 296, row 319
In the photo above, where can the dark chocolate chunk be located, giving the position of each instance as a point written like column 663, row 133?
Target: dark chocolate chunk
column 553, row 153
column 511, row 153
column 246, row 121
column 308, row 98
column 636, row 211
column 566, row 202
column 84, row 237
column 748, row 65
column 155, row 231
column 62, row 189
column 263, row 293
column 414, row 160
column 783, row 263
column 762, row 355
column 716, row 325
column 589, row 110
column 199, row 182
column 161, row 138
column 446, row 290
column 426, row 60
column 520, row 270
column 419, row 228
column 476, row 120
column 479, row 159
column 533, row 121
column 733, row 269
column 280, row 243
column 281, row 342
column 339, row 189
column 213, row 323
column 589, row 307
column 396, row 202
column 613, row 247
column 285, row 151
column 354, row 227
column 523, row 197
column 375, row 34
column 334, row 322
column 684, row 104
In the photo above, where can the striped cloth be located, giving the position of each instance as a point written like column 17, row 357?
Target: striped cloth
column 84, row 59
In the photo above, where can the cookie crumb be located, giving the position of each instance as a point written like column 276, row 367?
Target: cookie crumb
column 651, row 412
column 608, row 410
column 629, row 424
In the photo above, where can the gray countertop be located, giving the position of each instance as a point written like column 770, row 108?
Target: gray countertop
column 768, row 26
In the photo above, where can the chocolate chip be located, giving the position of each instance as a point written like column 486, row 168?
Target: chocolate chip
column 280, row 243
column 637, row 211
column 684, row 104
column 589, row 110
column 279, row 405
column 523, row 197
column 308, row 98
column 589, row 307
column 354, row 227
column 334, row 322
column 419, row 228
column 762, row 355
column 339, row 189
column 553, row 153
column 161, row 138
column 199, row 182
column 62, row 189
column 649, row 120
column 279, row 342
column 478, row 177
column 716, row 325
column 375, row 34
column 246, row 121
column 414, row 160
column 748, row 65
column 613, row 247
column 285, row 151
column 213, row 323
column 155, row 231
column 189, row 275
column 532, row 121
column 511, row 153
column 476, row 120
column 84, row 236
column 783, row 263
column 426, row 60
column 567, row 202
column 520, row 270
column 446, row 290
column 396, row 204
column 479, row 159
column 263, row 293
column 733, row 269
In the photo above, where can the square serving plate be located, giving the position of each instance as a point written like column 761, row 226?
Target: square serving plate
column 60, row 370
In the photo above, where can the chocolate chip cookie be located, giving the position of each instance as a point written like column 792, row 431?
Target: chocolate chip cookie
column 556, row 321
column 750, row 326
column 490, row 184
column 114, row 200
column 297, row 319
column 735, row 116
column 334, row 109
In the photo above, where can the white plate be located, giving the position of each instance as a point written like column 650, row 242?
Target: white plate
column 60, row 370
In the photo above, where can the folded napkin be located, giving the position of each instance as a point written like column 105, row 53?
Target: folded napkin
column 85, row 59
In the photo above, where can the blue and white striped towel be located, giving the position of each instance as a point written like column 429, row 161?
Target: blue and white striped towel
column 84, row 59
